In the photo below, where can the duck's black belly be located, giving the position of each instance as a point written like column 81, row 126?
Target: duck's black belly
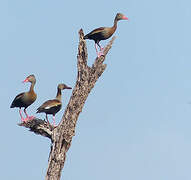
column 53, row 110
column 98, row 36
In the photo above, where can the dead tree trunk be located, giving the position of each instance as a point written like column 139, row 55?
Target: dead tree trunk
column 61, row 136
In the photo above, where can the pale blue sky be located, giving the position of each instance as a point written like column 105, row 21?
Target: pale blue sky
column 136, row 122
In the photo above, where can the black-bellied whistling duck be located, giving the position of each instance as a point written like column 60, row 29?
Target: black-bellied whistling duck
column 103, row 33
column 54, row 105
column 25, row 99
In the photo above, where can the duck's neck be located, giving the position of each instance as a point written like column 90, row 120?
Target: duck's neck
column 32, row 87
column 115, row 24
column 59, row 94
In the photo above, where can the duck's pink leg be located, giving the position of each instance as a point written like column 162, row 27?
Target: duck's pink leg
column 101, row 50
column 100, row 54
column 97, row 50
column 27, row 116
column 22, row 119
column 47, row 119
column 54, row 124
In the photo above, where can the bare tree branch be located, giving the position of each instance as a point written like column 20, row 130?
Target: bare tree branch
column 38, row 126
column 61, row 135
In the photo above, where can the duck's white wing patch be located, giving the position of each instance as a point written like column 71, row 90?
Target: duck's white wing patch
column 47, row 107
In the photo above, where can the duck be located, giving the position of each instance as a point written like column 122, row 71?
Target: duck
column 54, row 105
column 25, row 99
column 104, row 33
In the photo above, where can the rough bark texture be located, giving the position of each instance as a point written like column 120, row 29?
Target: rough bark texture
column 39, row 126
column 61, row 136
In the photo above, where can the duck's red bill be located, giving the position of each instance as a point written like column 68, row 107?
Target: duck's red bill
column 125, row 18
column 26, row 80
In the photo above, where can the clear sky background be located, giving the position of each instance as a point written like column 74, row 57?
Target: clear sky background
column 136, row 123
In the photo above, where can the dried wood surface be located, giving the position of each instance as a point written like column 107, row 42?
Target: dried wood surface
column 61, row 136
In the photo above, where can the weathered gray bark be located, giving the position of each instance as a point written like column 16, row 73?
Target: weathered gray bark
column 61, row 136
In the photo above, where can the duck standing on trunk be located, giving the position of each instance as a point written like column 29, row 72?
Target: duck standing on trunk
column 54, row 105
column 25, row 99
column 104, row 33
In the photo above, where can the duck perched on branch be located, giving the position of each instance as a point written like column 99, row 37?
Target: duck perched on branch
column 54, row 105
column 104, row 33
column 25, row 99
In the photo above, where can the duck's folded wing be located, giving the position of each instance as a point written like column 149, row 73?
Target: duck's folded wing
column 17, row 98
column 49, row 105
column 95, row 31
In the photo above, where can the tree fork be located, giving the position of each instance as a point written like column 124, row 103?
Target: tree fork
column 61, row 135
